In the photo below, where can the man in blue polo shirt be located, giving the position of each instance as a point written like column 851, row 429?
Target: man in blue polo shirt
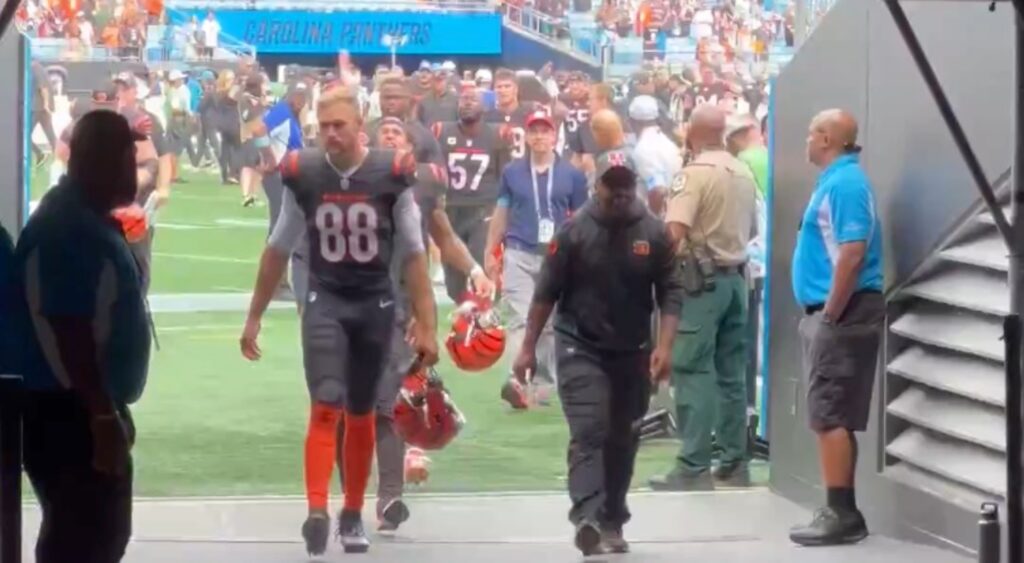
column 81, row 341
column 537, row 195
column 837, row 280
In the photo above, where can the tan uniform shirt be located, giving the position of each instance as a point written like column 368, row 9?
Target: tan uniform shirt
column 714, row 197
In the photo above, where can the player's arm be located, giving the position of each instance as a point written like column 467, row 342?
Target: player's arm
column 668, row 292
column 417, row 276
column 273, row 262
column 148, row 161
column 498, row 227
column 453, row 251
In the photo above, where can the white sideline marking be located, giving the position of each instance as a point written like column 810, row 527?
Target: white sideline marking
column 184, row 328
column 251, row 223
column 200, row 258
column 183, row 226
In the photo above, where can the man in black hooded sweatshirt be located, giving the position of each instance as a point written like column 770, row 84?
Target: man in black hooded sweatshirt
column 605, row 269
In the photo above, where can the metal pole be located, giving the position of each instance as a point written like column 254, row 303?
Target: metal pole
column 1014, row 502
column 10, row 469
column 1014, row 416
column 949, row 116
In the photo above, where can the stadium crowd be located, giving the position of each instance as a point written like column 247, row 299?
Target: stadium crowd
column 121, row 26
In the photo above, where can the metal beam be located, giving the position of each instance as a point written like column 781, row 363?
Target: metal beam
column 949, row 116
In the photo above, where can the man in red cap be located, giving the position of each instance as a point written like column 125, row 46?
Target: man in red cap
column 536, row 196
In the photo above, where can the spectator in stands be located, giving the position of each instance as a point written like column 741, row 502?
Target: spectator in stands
column 210, row 36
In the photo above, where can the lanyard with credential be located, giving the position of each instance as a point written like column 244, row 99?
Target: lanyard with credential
column 545, row 225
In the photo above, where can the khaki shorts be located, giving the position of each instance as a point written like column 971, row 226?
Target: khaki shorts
column 840, row 359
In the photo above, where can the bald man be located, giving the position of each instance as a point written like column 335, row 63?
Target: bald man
column 838, row 281
column 711, row 217
column 609, row 136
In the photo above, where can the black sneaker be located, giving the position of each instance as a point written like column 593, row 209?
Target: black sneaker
column 732, row 475
column 681, row 480
column 831, row 527
column 614, row 542
column 588, row 539
column 316, row 530
column 351, row 532
column 249, row 201
column 393, row 515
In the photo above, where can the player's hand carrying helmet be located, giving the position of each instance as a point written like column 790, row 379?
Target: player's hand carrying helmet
column 132, row 219
column 425, row 414
column 477, row 339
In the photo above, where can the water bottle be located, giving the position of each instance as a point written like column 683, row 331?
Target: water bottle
column 989, row 544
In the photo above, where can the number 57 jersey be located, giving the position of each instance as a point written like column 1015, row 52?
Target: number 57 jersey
column 473, row 162
column 352, row 217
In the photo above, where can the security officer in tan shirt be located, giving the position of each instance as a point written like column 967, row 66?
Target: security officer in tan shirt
column 710, row 217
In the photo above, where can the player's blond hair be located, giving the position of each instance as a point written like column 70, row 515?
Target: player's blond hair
column 337, row 95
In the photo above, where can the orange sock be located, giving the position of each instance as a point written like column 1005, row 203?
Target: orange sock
column 360, row 437
column 321, row 444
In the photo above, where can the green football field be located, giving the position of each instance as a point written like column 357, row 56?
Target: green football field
column 213, row 424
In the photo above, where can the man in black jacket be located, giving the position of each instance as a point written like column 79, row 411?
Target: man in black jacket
column 604, row 269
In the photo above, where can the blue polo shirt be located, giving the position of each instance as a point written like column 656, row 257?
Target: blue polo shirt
column 568, row 193
column 71, row 262
column 842, row 210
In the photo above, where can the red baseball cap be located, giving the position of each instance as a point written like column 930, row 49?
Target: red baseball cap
column 540, row 116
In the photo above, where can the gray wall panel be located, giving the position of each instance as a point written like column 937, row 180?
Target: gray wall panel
column 921, row 182
column 856, row 60
column 11, row 118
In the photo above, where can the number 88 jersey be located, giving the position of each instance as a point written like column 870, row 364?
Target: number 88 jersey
column 473, row 162
column 351, row 222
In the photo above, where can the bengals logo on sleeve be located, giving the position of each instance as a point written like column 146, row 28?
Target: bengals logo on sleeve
column 289, row 166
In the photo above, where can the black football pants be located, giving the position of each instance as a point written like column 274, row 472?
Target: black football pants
column 604, row 397
column 470, row 223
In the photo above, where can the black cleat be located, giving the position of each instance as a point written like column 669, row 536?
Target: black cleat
column 393, row 515
column 351, row 532
column 316, row 531
column 613, row 540
column 831, row 527
column 588, row 539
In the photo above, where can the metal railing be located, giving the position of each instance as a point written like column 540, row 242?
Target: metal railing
column 334, row 5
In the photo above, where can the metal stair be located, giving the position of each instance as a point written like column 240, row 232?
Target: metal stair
column 946, row 390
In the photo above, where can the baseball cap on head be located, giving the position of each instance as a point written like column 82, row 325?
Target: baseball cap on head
column 644, row 108
column 616, row 168
column 539, row 116
column 175, row 75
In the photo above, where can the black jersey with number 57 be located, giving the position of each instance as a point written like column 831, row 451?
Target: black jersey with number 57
column 473, row 162
column 351, row 223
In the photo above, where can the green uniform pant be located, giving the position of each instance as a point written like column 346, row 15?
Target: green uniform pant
column 709, row 363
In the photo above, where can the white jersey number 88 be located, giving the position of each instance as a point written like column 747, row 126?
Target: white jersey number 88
column 350, row 233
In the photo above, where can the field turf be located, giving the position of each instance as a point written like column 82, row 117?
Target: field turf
column 213, row 424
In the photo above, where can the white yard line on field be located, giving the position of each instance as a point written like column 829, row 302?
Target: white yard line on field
column 200, row 258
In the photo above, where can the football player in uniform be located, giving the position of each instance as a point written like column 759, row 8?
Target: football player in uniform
column 473, row 150
column 709, row 90
column 582, row 144
column 431, row 184
column 577, row 117
column 358, row 212
column 510, row 111
column 396, row 101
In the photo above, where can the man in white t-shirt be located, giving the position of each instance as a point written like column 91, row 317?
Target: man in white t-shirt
column 211, row 34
